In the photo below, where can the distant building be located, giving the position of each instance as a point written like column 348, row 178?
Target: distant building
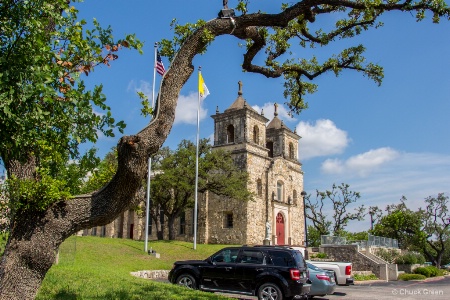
column 269, row 153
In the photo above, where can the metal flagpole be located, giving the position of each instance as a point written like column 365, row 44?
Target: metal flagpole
column 147, row 205
column 196, row 166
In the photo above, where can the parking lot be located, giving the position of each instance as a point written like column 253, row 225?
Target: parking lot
column 438, row 288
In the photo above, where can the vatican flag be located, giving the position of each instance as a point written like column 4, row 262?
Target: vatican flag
column 202, row 88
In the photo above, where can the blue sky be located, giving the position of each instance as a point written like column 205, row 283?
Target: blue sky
column 384, row 142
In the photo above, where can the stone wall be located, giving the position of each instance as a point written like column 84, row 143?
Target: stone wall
column 360, row 262
column 350, row 253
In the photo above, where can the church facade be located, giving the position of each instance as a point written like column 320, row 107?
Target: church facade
column 268, row 151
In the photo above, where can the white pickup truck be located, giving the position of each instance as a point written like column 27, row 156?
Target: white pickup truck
column 342, row 270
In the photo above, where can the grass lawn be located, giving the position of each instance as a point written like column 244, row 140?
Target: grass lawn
column 99, row 268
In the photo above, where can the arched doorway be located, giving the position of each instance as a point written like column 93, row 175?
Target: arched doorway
column 280, row 229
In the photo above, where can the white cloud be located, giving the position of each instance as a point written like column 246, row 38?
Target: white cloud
column 144, row 87
column 186, row 111
column 361, row 164
column 321, row 139
column 392, row 175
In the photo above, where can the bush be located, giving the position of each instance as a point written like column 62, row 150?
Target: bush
column 434, row 271
column 360, row 277
column 423, row 271
column 407, row 277
column 410, row 258
column 387, row 255
column 321, row 255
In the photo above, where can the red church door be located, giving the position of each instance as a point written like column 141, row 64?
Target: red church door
column 280, row 229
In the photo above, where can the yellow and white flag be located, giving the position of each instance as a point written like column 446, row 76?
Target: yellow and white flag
column 202, row 88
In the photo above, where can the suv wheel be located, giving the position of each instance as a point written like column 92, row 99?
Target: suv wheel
column 187, row 280
column 269, row 291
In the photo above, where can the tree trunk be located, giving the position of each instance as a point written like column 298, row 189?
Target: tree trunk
column 171, row 227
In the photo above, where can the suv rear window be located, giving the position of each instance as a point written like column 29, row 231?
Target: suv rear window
column 282, row 258
column 299, row 258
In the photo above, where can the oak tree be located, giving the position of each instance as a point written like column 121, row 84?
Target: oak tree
column 44, row 50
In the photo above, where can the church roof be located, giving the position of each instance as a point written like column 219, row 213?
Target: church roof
column 276, row 123
column 240, row 102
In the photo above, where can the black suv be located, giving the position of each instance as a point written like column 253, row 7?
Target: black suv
column 268, row 272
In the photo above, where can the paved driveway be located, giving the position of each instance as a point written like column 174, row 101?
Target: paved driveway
column 436, row 288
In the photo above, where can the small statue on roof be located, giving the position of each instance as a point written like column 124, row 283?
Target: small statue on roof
column 225, row 4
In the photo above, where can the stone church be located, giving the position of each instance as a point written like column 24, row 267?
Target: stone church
column 268, row 151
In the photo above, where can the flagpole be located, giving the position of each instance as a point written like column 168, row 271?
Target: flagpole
column 149, row 171
column 196, row 167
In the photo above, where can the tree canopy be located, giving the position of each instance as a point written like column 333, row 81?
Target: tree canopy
column 46, row 112
column 334, row 203
column 425, row 230
column 173, row 188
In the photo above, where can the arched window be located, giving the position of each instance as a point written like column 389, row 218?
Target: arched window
column 280, row 191
column 259, row 187
column 269, row 146
column 291, row 151
column 230, row 134
column 256, row 134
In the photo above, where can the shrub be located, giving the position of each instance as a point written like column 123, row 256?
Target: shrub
column 423, row 270
column 410, row 258
column 321, row 255
column 434, row 271
column 407, row 277
column 361, row 277
column 387, row 255
column 318, row 255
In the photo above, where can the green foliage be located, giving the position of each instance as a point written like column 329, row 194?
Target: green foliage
column 32, row 194
column 403, row 224
column 314, row 236
column 102, row 174
column 425, row 271
column 361, row 277
column 173, row 188
column 407, row 277
column 3, row 240
column 169, row 48
column 388, row 255
column 410, row 258
column 318, row 255
column 356, row 236
column 434, row 271
column 95, row 268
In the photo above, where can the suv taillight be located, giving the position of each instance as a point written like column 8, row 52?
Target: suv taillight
column 348, row 270
column 295, row 274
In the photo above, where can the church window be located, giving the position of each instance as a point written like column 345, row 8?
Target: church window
column 256, row 134
column 228, row 220
column 291, row 151
column 280, row 191
column 183, row 223
column 230, row 134
column 259, row 187
column 269, row 146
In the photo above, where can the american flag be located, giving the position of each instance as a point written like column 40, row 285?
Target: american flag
column 159, row 65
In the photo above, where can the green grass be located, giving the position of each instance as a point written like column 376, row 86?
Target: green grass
column 99, row 268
